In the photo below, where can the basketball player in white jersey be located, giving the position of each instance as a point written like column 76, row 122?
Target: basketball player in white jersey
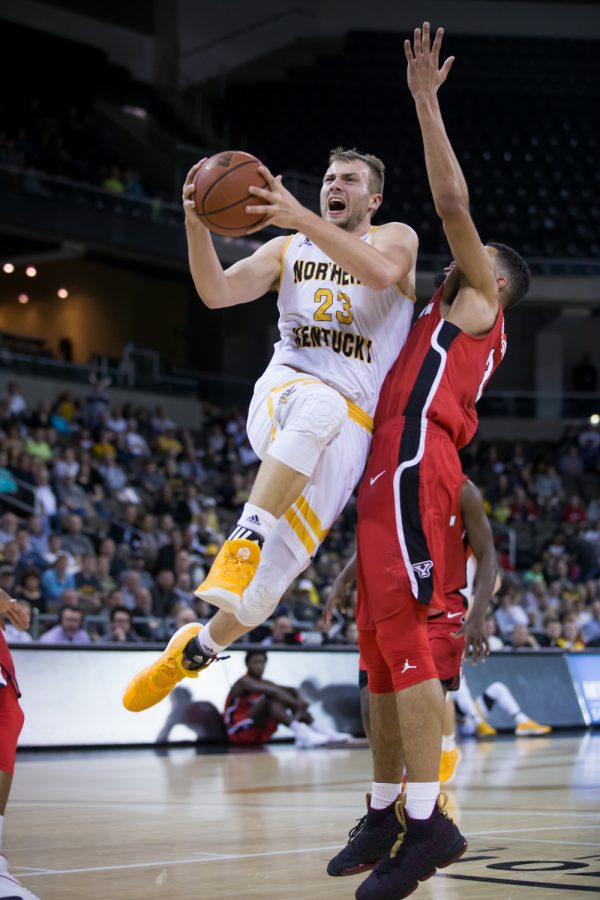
column 346, row 292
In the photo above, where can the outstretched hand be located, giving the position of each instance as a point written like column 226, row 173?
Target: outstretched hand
column 476, row 643
column 187, row 195
column 15, row 613
column 424, row 73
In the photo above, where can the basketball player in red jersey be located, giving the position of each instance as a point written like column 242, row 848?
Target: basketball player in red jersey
column 426, row 412
column 11, row 722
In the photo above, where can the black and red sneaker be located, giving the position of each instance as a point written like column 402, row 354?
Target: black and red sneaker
column 369, row 842
column 423, row 846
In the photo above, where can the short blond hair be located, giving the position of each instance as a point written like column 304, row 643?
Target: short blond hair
column 376, row 166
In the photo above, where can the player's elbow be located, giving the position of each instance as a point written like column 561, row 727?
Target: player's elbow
column 211, row 301
column 451, row 204
column 382, row 278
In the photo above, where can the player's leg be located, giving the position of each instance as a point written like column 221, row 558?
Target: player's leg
column 371, row 839
column 499, row 693
column 451, row 755
column 11, row 722
column 287, row 551
column 290, row 424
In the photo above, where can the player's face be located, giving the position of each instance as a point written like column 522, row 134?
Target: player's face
column 256, row 666
column 346, row 198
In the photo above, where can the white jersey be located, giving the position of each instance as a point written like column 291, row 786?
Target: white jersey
column 336, row 328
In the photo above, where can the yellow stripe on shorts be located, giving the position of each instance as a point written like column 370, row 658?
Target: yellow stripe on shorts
column 359, row 416
column 301, row 531
column 309, row 515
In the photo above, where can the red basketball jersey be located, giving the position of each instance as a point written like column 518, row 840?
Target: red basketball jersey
column 441, row 372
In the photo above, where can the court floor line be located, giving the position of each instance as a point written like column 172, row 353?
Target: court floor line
column 205, row 858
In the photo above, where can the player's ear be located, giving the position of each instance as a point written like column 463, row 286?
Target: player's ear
column 375, row 202
column 501, row 282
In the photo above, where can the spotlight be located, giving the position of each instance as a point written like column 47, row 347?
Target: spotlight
column 23, row 298
column 62, row 293
column 31, row 271
column 595, row 419
column 8, row 268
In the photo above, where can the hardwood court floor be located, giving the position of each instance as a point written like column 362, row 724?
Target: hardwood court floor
column 134, row 825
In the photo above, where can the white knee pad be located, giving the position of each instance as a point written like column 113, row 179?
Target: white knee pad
column 262, row 595
column 313, row 420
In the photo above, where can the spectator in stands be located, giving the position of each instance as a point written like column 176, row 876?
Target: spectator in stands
column 121, row 628
column 29, row 590
column 113, row 181
column 71, row 496
column 585, row 374
column 137, row 563
column 66, row 464
column 8, row 579
column 113, row 476
column 38, row 537
column 56, row 579
column 570, row 638
column 46, row 504
column 75, row 541
column 495, row 642
column 124, row 530
column 105, row 579
column 510, row 612
column 590, row 631
column 305, row 602
column 135, row 442
column 184, row 615
column 573, row 512
column 88, row 584
column 153, row 627
column 164, row 597
column 552, row 631
column 521, row 639
column 12, row 402
column 9, row 525
column 280, row 629
column 130, row 584
column 68, row 630
column 570, row 462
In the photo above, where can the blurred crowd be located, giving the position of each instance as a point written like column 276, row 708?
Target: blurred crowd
column 110, row 517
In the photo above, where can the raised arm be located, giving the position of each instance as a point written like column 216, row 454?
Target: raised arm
column 246, row 280
column 447, row 182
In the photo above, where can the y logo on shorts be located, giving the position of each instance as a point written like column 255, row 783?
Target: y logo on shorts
column 423, row 569
column 407, row 666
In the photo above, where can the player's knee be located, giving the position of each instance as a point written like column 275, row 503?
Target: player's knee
column 496, row 693
column 262, row 595
column 314, row 421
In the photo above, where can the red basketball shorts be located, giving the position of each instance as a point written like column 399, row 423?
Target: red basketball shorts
column 405, row 501
column 247, row 732
column 11, row 723
column 447, row 650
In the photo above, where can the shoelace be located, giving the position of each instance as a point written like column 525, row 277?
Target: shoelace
column 230, row 566
column 387, row 864
column 360, row 824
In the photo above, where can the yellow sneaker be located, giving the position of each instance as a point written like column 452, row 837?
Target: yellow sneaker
column 230, row 575
column 531, row 727
column 153, row 683
column 484, row 730
column 449, row 764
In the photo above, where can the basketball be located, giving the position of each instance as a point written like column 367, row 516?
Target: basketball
column 221, row 194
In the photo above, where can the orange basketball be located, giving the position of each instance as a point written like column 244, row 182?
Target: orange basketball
column 221, row 194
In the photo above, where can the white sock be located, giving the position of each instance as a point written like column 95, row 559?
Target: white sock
column 520, row 718
column 500, row 694
column 421, row 797
column 448, row 741
column 382, row 794
column 207, row 645
column 255, row 519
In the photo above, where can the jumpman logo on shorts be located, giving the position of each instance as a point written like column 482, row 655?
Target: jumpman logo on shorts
column 407, row 667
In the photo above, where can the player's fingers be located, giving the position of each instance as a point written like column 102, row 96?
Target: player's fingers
column 446, row 68
column 426, row 43
column 270, row 179
column 437, row 43
column 259, row 210
column 408, row 51
column 264, row 193
column 194, row 169
column 417, row 42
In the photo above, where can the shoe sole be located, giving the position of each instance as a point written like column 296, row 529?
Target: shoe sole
column 219, row 597
column 531, row 732
column 440, row 865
